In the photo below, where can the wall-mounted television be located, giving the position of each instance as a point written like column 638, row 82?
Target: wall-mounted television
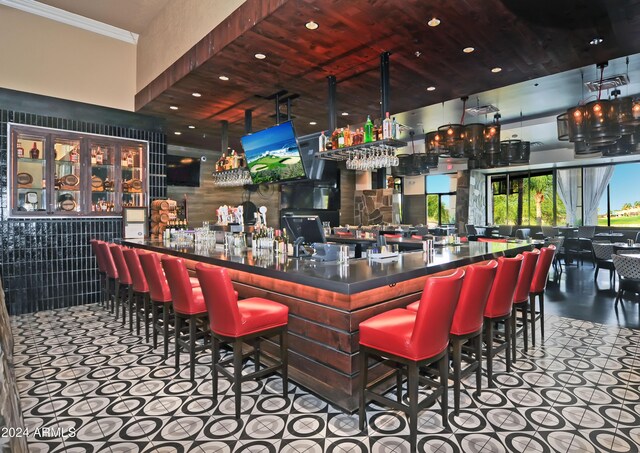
column 273, row 155
column 183, row 171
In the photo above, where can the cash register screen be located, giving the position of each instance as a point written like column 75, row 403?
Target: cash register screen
column 307, row 226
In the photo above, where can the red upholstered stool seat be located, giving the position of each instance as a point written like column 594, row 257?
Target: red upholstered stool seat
column 467, row 323
column 235, row 322
column 102, row 271
column 140, row 290
column 111, row 273
column 189, row 309
column 538, row 285
column 521, row 300
column 391, row 332
column 498, row 310
column 411, row 340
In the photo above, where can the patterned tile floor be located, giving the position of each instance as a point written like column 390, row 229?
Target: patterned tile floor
column 88, row 385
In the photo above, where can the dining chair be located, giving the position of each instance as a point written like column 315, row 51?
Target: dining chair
column 628, row 269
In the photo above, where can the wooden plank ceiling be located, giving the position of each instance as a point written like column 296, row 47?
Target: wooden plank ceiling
column 526, row 39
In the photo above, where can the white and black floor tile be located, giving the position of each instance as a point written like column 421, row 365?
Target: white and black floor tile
column 89, row 385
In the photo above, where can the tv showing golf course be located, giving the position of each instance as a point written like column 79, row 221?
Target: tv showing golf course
column 273, row 154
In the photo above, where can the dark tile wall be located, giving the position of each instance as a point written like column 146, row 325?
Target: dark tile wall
column 47, row 263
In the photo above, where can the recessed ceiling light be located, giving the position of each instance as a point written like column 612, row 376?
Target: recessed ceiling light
column 173, row 107
column 313, row 123
column 196, row 95
column 311, row 25
column 178, row 133
column 431, row 88
column 345, row 113
column 496, row 69
column 260, row 56
column 468, row 49
column 192, row 127
column 417, row 53
column 223, row 77
column 596, row 41
column 434, row 22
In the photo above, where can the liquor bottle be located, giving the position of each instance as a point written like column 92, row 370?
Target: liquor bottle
column 347, row 136
column 234, row 159
column 395, row 128
column 322, row 142
column 74, row 155
column 368, row 130
column 130, row 159
column 99, row 156
column 94, row 158
column 123, row 159
column 341, row 138
column 334, row 139
column 34, row 152
column 386, row 127
column 20, row 151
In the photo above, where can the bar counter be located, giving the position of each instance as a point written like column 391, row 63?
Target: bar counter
column 328, row 300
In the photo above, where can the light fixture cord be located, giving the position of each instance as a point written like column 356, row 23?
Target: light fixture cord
column 601, row 79
column 464, row 105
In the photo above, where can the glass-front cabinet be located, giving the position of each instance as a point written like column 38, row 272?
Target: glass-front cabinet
column 55, row 172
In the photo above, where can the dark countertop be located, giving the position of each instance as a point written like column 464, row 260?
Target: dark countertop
column 352, row 277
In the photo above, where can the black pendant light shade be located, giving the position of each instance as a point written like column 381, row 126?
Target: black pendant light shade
column 473, row 140
column 563, row 127
column 577, row 124
column 602, row 123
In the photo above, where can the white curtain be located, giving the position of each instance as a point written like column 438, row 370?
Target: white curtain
column 568, row 181
column 594, row 183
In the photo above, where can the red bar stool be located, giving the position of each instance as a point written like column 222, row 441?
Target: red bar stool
column 189, row 308
column 538, row 285
column 412, row 339
column 111, row 273
column 160, row 296
column 467, row 325
column 393, row 236
column 236, row 321
column 140, row 290
column 102, row 271
column 521, row 299
column 124, row 284
column 498, row 309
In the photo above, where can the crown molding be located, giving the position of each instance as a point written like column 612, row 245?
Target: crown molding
column 75, row 20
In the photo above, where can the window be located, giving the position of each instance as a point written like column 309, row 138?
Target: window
column 620, row 205
column 524, row 199
column 441, row 200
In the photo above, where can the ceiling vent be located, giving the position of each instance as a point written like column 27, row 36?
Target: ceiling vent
column 482, row 110
column 607, row 83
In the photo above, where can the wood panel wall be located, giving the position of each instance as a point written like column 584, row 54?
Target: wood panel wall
column 204, row 200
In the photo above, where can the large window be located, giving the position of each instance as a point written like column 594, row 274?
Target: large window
column 524, row 199
column 620, row 204
column 441, row 200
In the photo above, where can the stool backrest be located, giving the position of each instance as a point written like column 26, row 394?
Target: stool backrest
column 99, row 260
column 473, row 298
column 124, row 277
column 433, row 321
column 179, row 283
column 539, row 281
column 525, row 277
column 220, row 298
column 158, row 287
column 107, row 258
column 139, row 281
column 504, row 286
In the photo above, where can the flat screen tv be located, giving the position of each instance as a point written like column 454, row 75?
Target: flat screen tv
column 273, row 155
column 183, row 171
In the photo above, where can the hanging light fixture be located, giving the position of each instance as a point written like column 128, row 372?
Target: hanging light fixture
column 515, row 151
column 435, row 148
column 562, row 121
column 492, row 142
column 453, row 135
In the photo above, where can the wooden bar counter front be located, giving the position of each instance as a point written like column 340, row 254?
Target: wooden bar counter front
column 328, row 300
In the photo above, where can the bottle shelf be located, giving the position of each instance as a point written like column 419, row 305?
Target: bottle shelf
column 342, row 154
